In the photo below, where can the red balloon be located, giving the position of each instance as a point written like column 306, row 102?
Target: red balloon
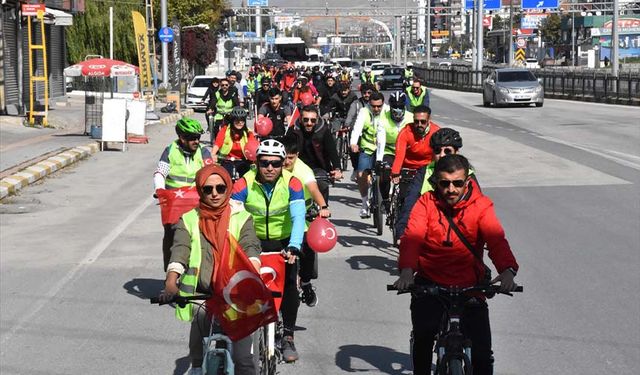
column 263, row 126
column 322, row 235
column 307, row 98
column 251, row 149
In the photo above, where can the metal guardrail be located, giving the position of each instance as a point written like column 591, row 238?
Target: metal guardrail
column 594, row 86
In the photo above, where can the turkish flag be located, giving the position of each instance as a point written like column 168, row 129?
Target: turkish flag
column 272, row 273
column 176, row 202
column 295, row 115
column 240, row 301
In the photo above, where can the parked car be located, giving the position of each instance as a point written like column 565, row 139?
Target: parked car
column 531, row 64
column 196, row 90
column 355, row 69
column 391, row 77
column 512, row 86
column 369, row 62
column 378, row 68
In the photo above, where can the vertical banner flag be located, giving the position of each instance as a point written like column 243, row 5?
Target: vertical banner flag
column 142, row 42
column 176, row 75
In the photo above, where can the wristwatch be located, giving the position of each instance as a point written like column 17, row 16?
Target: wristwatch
column 514, row 272
column 324, row 207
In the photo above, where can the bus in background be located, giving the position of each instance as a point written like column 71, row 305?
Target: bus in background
column 292, row 49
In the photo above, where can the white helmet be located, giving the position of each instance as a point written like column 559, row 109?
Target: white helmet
column 409, row 64
column 271, row 147
column 367, row 69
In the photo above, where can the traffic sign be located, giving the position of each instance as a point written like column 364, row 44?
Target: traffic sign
column 539, row 4
column 520, row 54
column 165, row 35
column 270, row 36
column 258, row 3
column 521, row 42
column 487, row 4
column 229, row 45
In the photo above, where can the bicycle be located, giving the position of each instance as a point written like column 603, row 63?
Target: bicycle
column 236, row 167
column 248, row 102
column 395, row 206
column 342, row 145
column 375, row 197
column 452, row 349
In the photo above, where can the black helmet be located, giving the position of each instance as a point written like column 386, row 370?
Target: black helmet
column 265, row 80
column 445, row 137
column 238, row 113
column 397, row 100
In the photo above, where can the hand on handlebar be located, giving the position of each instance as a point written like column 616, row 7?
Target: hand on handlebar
column 290, row 254
column 170, row 288
column 395, row 179
column 355, row 148
column 506, row 281
column 405, row 280
column 336, row 174
column 325, row 213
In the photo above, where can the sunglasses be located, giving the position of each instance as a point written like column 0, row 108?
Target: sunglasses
column 376, row 106
column 208, row 189
column 418, row 121
column 194, row 137
column 447, row 151
column 267, row 163
column 445, row 183
column 224, row 85
column 308, row 119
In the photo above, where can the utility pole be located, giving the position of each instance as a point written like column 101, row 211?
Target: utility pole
column 614, row 40
column 510, row 59
column 428, row 34
column 397, row 50
column 111, row 33
column 573, row 39
column 479, row 44
column 259, row 30
column 165, row 46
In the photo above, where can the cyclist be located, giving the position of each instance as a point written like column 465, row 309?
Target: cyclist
column 231, row 141
column 235, row 85
column 412, row 145
column 408, row 73
column 396, row 120
column 318, row 147
column 367, row 132
column 433, row 251
column 288, row 82
column 178, row 166
column 252, row 86
column 226, row 99
column 309, row 258
column 215, row 223
column 345, row 76
column 367, row 76
column 275, row 200
column 303, row 85
column 278, row 112
column 365, row 91
column 210, row 98
column 262, row 95
column 417, row 95
column 340, row 105
column 445, row 141
column 325, row 92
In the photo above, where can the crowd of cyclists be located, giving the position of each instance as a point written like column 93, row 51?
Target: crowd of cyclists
column 285, row 182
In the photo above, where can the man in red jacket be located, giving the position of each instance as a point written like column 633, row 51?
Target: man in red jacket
column 432, row 251
column 412, row 145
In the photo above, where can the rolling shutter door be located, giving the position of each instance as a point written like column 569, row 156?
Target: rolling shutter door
column 10, row 57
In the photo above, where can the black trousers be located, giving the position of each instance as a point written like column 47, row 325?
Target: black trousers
column 385, row 178
column 167, row 242
column 308, row 263
column 290, row 296
column 426, row 315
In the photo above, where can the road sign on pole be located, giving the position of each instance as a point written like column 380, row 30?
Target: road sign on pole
column 539, row 4
column 487, row 4
column 165, row 35
column 258, row 3
column 270, row 36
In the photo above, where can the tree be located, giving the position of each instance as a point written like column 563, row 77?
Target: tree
column 199, row 47
column 89, row 34
column 550, row 29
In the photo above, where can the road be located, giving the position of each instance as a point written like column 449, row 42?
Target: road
column 80, row 255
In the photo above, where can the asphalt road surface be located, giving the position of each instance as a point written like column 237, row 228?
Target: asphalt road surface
column 81, row 255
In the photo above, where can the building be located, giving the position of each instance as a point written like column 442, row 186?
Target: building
column 14, row 57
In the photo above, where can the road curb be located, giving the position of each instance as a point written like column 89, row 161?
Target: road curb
column 176, row 116
column 11, row 184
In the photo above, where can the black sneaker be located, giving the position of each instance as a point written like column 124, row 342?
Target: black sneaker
column 289, row 353
column 309, row 296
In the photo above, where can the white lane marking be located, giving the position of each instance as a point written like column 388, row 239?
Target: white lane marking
column 91, row 257
column 606, row 155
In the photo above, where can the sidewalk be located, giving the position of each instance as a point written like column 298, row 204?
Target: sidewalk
column 29, row 153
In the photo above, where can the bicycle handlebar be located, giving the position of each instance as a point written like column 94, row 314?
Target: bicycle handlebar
column 436, row 290
column 183, row 300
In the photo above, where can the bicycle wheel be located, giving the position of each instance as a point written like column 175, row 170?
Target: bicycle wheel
column 260, row 347
column 455, row 367
column 345, row 152
column 376, row 210
column 340, row 149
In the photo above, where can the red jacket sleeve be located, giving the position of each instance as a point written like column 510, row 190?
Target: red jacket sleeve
column 412, row 241
column 492, row 232
column 220, row 137
column 401, row 151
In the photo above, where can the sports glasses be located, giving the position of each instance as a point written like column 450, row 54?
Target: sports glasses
column 267, row 163
column 309, row 119
column 447, row 150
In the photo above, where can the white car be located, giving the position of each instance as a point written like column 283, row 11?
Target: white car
column 378, row 68
column 196, row 90
column 531, row 64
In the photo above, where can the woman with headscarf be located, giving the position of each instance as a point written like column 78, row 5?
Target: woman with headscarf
column 201, row 236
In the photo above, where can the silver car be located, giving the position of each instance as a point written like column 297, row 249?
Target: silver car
column 512, row 86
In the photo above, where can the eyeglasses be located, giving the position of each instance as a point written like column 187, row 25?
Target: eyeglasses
column 309, row 119
column 445, row 183
column 447, row 150
column 418, row 121
column 208, row 189
column 367, row 93
column 267, row 163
